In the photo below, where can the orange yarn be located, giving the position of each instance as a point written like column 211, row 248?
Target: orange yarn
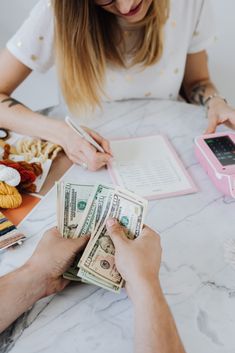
column 7, row 151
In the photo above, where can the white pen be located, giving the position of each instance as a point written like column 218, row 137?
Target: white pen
column 82, row 133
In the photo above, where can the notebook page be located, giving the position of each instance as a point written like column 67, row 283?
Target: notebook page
column 150, row 167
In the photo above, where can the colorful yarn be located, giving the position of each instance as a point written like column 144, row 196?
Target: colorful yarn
column 9, row 175
column 28, row 172
column 7, row 151
column 9, row 196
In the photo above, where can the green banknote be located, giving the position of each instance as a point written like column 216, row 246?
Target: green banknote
column 94, row 210
column 72, row 201
column 83, row 209
column 98, row 261
column 99, row 201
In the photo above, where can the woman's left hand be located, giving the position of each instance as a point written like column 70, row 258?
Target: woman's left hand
column 219, row 112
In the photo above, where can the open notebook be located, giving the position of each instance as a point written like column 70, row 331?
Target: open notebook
column 150, row 167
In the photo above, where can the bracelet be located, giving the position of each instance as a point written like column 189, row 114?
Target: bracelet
column 215, row 95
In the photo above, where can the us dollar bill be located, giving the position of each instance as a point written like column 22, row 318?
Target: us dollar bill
column 98, row 203
column 84, row 209
column 86, row 277
column 72, row 201
column 98, row 261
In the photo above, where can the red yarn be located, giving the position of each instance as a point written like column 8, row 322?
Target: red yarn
column 28, row 173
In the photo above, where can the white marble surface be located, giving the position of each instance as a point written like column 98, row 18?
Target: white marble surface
column 198, row 285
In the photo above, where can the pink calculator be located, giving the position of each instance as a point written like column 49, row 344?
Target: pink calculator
column 216, row 154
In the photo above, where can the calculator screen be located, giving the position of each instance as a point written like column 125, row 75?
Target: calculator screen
column 223, row 148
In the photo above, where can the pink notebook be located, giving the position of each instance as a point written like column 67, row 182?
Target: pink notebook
column 150, row 167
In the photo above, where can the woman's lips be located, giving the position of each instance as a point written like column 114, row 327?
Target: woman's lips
column 134, row 10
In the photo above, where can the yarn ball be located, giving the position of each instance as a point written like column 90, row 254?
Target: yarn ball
column 28, row 172
column 9, row 196
column 9, row 175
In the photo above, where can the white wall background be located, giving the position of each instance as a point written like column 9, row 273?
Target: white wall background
column 40, row 91
column 222, row 53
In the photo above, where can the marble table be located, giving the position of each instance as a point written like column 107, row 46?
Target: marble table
column 199, row 286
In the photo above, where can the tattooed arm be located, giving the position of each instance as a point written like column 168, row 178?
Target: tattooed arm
column 17, row 117
column 197, row 87
column 197, row 84
column 13, row 114
column 11, row 101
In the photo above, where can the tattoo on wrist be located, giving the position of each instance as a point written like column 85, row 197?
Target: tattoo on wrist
column 198, row 94
column 12, row 102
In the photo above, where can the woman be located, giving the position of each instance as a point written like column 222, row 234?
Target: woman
column 110, row 50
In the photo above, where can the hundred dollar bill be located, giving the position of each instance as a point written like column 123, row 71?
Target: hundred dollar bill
column 98, row 261
column 72, row 201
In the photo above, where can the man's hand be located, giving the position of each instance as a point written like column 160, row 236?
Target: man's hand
column 52, row 258
column 138, row 261
column 40, row 276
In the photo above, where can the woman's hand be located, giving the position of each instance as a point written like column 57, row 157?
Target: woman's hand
column 219, row 112
column 81, row 152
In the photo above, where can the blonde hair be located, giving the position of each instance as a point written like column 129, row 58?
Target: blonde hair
column 87, row 38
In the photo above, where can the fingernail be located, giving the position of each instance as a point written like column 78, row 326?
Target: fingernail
column 111, row 222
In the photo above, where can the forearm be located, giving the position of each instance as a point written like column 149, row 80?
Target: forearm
column 19, row 290
column 199, row 92
column 17, row 117
column 155, row 330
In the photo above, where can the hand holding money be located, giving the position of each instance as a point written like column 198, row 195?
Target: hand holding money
column 52, row 257
column 137, row 260
column 84, row 209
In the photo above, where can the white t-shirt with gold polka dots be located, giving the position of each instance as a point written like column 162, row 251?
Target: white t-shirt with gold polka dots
column 188, row 30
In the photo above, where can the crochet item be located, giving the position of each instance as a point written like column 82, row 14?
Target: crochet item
column 28, row 173
column 9, row 196
column 8, row 149
column 35, row 148
column 31, row 148
column 9, row 175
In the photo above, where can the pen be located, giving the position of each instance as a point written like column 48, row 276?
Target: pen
column 83, row 134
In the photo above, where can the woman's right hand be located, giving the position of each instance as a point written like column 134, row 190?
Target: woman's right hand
column 81, row 152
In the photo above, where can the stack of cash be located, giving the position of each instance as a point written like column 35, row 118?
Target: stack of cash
column 84, row 209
